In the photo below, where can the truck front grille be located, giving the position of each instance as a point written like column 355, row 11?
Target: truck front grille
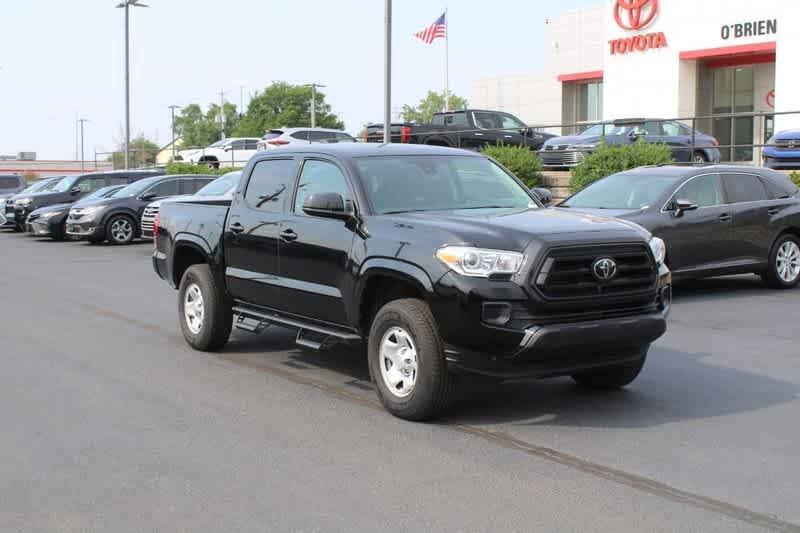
column 148, row 217
column 567, row 273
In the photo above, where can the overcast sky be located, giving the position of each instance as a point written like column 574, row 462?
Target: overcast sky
column 63, row 59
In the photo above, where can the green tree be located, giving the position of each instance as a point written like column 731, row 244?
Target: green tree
column 285, row 105
column 608, row 159
column 433, row 103
column 197, row 128
column 143, row 153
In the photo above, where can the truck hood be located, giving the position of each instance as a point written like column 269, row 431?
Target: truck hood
column 515, row 229
column 616, row 213
column 574, row 139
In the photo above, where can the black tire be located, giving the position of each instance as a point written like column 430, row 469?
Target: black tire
column 699, row 158
column 772, row 276
column 614, row 377
column 217, row 315
column 212, row 164
column 116, row 237
column 59, row 233
column 434, row 388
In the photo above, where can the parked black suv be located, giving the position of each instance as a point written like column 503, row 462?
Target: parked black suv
column 73, row 188
column 7, row 217
column 51, row 221
column 118, row 219
column 438, row 259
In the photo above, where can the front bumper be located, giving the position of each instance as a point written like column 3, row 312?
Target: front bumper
column 40, row 228
column 557, row 348
column 775, row 159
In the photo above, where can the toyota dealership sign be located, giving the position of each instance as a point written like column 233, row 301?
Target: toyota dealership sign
column 634, row 16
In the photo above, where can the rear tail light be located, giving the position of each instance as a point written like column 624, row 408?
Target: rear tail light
column 277, row 142
column 405, row 134
column 156, row 222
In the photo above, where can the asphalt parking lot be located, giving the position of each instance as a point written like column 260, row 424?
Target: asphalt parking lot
column 111, row 423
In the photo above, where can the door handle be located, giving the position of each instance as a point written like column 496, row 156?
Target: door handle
column 288, row 235
column 236, row 228
column 773, row 211
column 725, row 217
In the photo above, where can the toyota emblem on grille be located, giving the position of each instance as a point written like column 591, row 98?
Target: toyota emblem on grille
column 604, row 268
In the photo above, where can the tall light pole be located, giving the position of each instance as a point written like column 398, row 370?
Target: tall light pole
column 387, row 73
column 125, row 5
column 314, row 102
column 221, row 106
column 172, row 109
column 81, row 121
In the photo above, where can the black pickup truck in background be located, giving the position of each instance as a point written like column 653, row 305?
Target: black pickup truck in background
column 471, row 129
column 437, row 260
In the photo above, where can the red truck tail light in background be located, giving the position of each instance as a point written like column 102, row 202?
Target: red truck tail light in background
column 156, row 222
column 405, row 134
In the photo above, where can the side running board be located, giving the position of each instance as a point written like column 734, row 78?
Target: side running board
column 264, row 318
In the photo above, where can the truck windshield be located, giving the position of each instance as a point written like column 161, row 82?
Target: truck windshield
column 439, row 183
column 622, row 191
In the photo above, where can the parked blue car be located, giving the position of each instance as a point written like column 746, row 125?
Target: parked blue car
column 783, row 150
column 687, row 145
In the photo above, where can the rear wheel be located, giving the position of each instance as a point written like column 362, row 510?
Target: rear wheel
column 406, row 361
column 205, row 312
column 120, row 229
column 614, row 377
column 783, row 271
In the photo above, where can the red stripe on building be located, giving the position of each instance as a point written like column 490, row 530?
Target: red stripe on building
column 744, row 49
column 581, row 76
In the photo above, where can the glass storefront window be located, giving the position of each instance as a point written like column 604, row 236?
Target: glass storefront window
column 582, row 103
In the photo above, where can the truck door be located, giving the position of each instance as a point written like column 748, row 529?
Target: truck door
column 252, row 232
column 315, row 252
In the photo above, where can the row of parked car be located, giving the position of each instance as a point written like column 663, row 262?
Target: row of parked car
column 115, row 206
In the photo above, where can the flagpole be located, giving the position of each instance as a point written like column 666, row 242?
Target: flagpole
column 446, row 61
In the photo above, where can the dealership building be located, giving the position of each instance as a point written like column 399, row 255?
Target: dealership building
column 664, row 59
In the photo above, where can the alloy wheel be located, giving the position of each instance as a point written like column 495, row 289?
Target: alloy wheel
column 121, row 230
column 193, row 308
column 787, row 262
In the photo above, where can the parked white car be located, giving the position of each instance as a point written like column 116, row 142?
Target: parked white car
column 278, row 138
column 233, row 152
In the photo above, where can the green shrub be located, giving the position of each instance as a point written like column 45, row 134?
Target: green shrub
column 179, row 167
column 520, row 160
column 795, row 177
column 607, row 160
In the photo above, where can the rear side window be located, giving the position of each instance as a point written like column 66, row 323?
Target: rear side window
column 452, row 119
column 165, row 188
column 9, row 182
column 268, row 184
column 87, row 185
column 119, row 180
column 302, row 135
column 744, row 188
column 251, row 144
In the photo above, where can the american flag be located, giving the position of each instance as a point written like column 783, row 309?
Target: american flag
column 433, row 32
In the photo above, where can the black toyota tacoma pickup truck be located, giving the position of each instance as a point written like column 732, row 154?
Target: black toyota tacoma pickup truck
column 437, row 260
column 470, row 129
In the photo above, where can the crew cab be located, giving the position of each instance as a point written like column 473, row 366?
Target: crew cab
column 439, row 261
column 469, row 128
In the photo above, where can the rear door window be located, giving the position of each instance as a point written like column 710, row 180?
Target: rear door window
column 91, row 184
column 704, row 191
column 301, row 135
column 164, row 189
column 269, row 181
column 744, row 188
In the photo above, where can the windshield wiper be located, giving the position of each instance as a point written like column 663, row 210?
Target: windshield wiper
column 401, row 211
column 488, row 207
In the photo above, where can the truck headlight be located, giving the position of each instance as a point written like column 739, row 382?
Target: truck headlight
column 659, row 250
column 478, row 262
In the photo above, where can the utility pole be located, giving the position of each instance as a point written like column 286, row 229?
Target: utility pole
column 221, row 120
column 241, row 100
column 126, row 4
column 387, row 73
column 314, row 102
column 172, row 109
column 81, row 121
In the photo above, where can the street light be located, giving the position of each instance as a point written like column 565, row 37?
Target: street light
column 314, row 102
column 125, row 5
column 172, row 109
column 82, row 121
column 387, row 71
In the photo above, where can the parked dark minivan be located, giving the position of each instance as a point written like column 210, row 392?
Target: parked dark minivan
column 118, row 219
column 73, row 188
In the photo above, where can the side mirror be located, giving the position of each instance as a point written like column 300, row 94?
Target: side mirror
column 544, row 195
column 228, row 148
column 75, row 190
column 635, row 134
column 326, row 205
column 681, row 206
column 147, row 196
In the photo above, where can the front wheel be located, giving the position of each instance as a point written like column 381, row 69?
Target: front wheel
column 406, row 361
column 204, row 311
column 783, row 271
column 120, row 229
column 614, row 377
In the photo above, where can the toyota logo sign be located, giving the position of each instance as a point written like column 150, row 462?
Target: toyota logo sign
column 635, row 14
column 604, row 269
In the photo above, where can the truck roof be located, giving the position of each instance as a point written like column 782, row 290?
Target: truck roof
column 365, row 150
